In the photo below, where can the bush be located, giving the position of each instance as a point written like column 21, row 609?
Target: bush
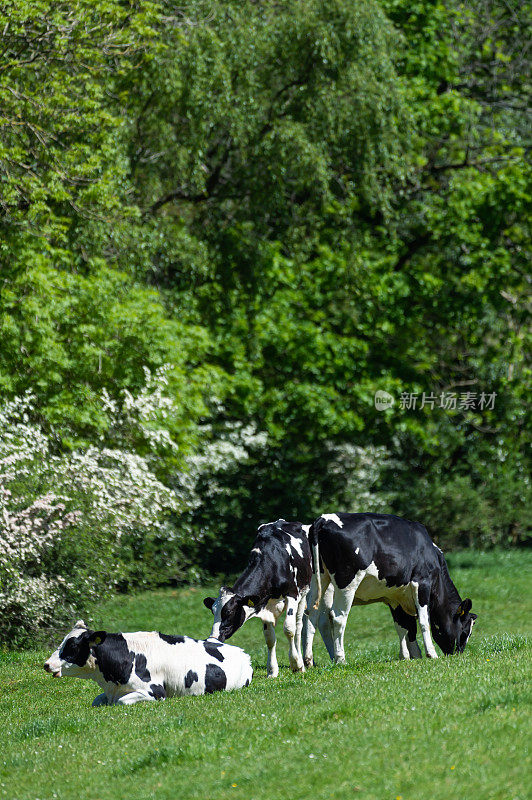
column 75, row 525
column 489, row 506
column 78, row 525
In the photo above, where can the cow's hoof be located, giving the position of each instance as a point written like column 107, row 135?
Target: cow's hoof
column 309, row 662
column 272, row 674
column 100, row 700
column 296, row 666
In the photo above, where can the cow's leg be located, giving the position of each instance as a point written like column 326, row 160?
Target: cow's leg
column 311, row 617
column 421, row 599
column 301, row 605
column 269, row 635
column 296, row 662
column 413, row 647
column 100, row 700
column 410, row 623
column 324, row 621
column 342, row 602
column 402, row 633
column 406, row 627
column 138, row 696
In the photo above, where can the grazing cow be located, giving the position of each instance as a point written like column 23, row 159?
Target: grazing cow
column 370, row 558
column 277, row 577
column 131, row 667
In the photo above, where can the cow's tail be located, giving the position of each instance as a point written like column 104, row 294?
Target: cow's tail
column 315, row 549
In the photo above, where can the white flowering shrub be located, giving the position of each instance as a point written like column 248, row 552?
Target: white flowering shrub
column 357, row 471
column 222, row 451
column 75, row 525
column 27, row 535
column 214, row 490
column 142, row 420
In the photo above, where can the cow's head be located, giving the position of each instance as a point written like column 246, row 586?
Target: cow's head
column 230, row 611
column 452, row 633
column 73, row 656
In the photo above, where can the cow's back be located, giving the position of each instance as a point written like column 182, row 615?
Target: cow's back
column 401, row 550
column 181, row 665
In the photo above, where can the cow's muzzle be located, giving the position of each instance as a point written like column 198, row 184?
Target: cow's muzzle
column 55, row 672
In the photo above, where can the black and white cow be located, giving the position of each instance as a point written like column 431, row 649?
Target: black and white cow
column 370, row 558
column 131, row 667
column 276, row 578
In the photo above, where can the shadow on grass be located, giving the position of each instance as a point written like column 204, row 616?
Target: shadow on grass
column 160, row 758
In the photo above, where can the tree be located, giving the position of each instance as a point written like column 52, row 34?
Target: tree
column 71, row 321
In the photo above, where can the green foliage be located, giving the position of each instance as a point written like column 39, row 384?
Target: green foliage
column 256, row 115
column 60, row 152
column 72, row 323
column 488, row 506
column 69, row 335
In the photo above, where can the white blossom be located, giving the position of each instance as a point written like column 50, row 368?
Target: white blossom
column 104, row 491
column 44, row 496
column 360, row 469
column 220, row 453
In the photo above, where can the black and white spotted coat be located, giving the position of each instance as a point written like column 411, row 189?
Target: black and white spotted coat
column 277, row 578
column 146, row 665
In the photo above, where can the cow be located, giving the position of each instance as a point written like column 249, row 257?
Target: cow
column 371, row 558
column 276, row 578
column 133, row 667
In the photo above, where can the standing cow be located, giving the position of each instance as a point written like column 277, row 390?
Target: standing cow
column 146, row 665
column 276, row 578
column 370, row 558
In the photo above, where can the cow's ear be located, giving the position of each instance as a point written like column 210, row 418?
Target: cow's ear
column 249, row 602
column 208, row 602
column 96, row 638
column 464, row 607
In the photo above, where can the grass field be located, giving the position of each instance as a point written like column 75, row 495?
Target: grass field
column 376, row 728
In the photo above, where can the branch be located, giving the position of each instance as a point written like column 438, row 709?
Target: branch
column 465, row 164
column 200, row 197
column 179, row 194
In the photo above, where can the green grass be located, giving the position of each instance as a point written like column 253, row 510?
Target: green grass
column 376, row 728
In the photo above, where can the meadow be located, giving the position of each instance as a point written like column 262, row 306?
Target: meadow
column 376, row 728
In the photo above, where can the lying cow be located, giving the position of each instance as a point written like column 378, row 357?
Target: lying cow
column 370, row 558
column 277, row 577
column 131, row 667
